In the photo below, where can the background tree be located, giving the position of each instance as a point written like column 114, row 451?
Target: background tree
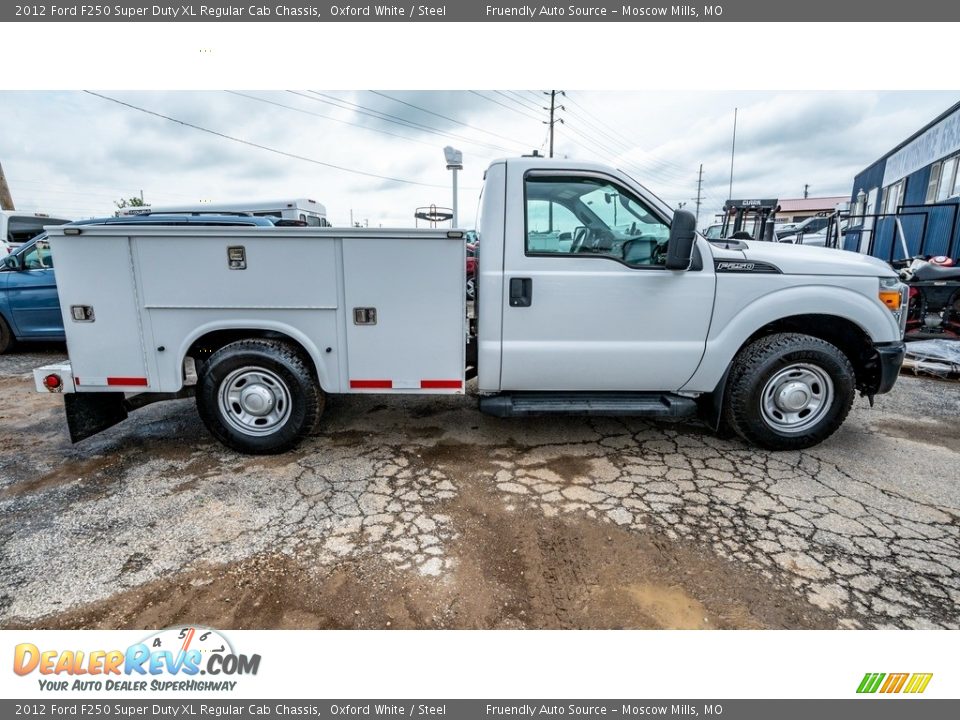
column 135, row 201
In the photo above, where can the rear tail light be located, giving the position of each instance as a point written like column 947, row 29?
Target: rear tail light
column 53, row 382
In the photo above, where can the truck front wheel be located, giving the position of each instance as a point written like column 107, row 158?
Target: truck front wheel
column 259, row 396
column 789, row 391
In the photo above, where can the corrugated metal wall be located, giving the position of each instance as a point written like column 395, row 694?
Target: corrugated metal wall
column 931, row 236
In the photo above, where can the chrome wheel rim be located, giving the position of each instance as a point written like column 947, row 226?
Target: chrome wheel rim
column 254, row 401
column 796, row 398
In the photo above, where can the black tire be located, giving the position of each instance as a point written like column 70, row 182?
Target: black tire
column 6, row 336
column 777, row 356
column 263, row 369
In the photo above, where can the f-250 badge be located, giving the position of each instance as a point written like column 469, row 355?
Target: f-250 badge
column 745, row 267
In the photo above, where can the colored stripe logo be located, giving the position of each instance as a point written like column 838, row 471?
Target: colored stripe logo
column 908, row 683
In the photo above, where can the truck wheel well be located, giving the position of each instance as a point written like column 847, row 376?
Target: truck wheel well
column 205, row 345
column 849, row 337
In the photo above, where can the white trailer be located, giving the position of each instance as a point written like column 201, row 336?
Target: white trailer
column 17, row 227
column 593, row 297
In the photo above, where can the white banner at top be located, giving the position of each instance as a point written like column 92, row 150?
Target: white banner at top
column 937, row 142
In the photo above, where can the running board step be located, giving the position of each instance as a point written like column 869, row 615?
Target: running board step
column 613, row 404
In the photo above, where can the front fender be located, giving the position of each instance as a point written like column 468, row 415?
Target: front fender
column 730, row 330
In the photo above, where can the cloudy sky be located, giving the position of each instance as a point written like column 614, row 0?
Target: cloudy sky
column 380, row 155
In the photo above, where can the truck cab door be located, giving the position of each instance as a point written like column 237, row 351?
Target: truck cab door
column 588, row 304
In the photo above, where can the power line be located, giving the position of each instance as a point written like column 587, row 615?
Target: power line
column 623, row 149
column 445, row 117
column 508, row 107
column 673, row 184
column 625, row 139
column 69, row 190
column 387, row 117
column 327, row 117
column 610, row 156
column 529, row 104
column 515, row 101
column 266, row 148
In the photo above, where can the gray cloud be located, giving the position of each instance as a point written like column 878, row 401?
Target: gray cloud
column 72, row 153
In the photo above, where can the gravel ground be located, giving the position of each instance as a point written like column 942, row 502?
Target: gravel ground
column 420, row 512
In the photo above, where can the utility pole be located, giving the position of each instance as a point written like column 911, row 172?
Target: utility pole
column 6, row 200
column 699, row 191
column 553, row 110
column 552, row 122
column 806, row 192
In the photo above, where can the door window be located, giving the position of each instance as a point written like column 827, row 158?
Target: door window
column 37, row 257
column 586, row 216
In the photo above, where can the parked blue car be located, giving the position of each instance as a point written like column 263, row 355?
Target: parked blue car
column 29, row 305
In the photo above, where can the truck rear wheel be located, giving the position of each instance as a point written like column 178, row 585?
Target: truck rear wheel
column 259, row 396
column 789, row 391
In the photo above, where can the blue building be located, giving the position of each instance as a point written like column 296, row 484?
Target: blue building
column 909, row 199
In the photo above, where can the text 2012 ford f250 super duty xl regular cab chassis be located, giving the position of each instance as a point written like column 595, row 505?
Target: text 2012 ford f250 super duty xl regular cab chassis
column 593, row 298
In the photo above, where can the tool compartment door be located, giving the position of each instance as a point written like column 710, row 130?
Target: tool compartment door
column 106, row 350
column 405, row 313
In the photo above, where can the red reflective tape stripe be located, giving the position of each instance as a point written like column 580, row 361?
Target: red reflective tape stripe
column 369, row 384
column 441, row 384
column 129, row 381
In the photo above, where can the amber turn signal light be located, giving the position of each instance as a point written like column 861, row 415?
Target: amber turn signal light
column 890, row 298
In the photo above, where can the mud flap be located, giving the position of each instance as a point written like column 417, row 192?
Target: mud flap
column 90, row 413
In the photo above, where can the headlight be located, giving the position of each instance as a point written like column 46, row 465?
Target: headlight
column 893, row 294
column 890, row 293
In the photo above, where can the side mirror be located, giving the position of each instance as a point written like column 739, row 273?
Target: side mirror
column 10, row 262
column 683, row 230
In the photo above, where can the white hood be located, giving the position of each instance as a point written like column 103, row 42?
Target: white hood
column 804, row 260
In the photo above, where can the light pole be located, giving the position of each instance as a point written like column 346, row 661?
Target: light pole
column 454, row 162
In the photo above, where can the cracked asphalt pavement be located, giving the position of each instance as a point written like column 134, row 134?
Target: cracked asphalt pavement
column 420, row 512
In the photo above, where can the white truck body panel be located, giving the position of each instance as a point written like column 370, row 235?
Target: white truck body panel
column 165, row 287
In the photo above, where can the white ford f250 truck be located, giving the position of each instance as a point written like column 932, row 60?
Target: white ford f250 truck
column 593, row 298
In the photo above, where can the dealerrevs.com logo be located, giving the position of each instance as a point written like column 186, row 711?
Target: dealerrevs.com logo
column 172, row 659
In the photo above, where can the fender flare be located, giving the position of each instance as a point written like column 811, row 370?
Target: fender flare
column 323, row 372
column 723, row 344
